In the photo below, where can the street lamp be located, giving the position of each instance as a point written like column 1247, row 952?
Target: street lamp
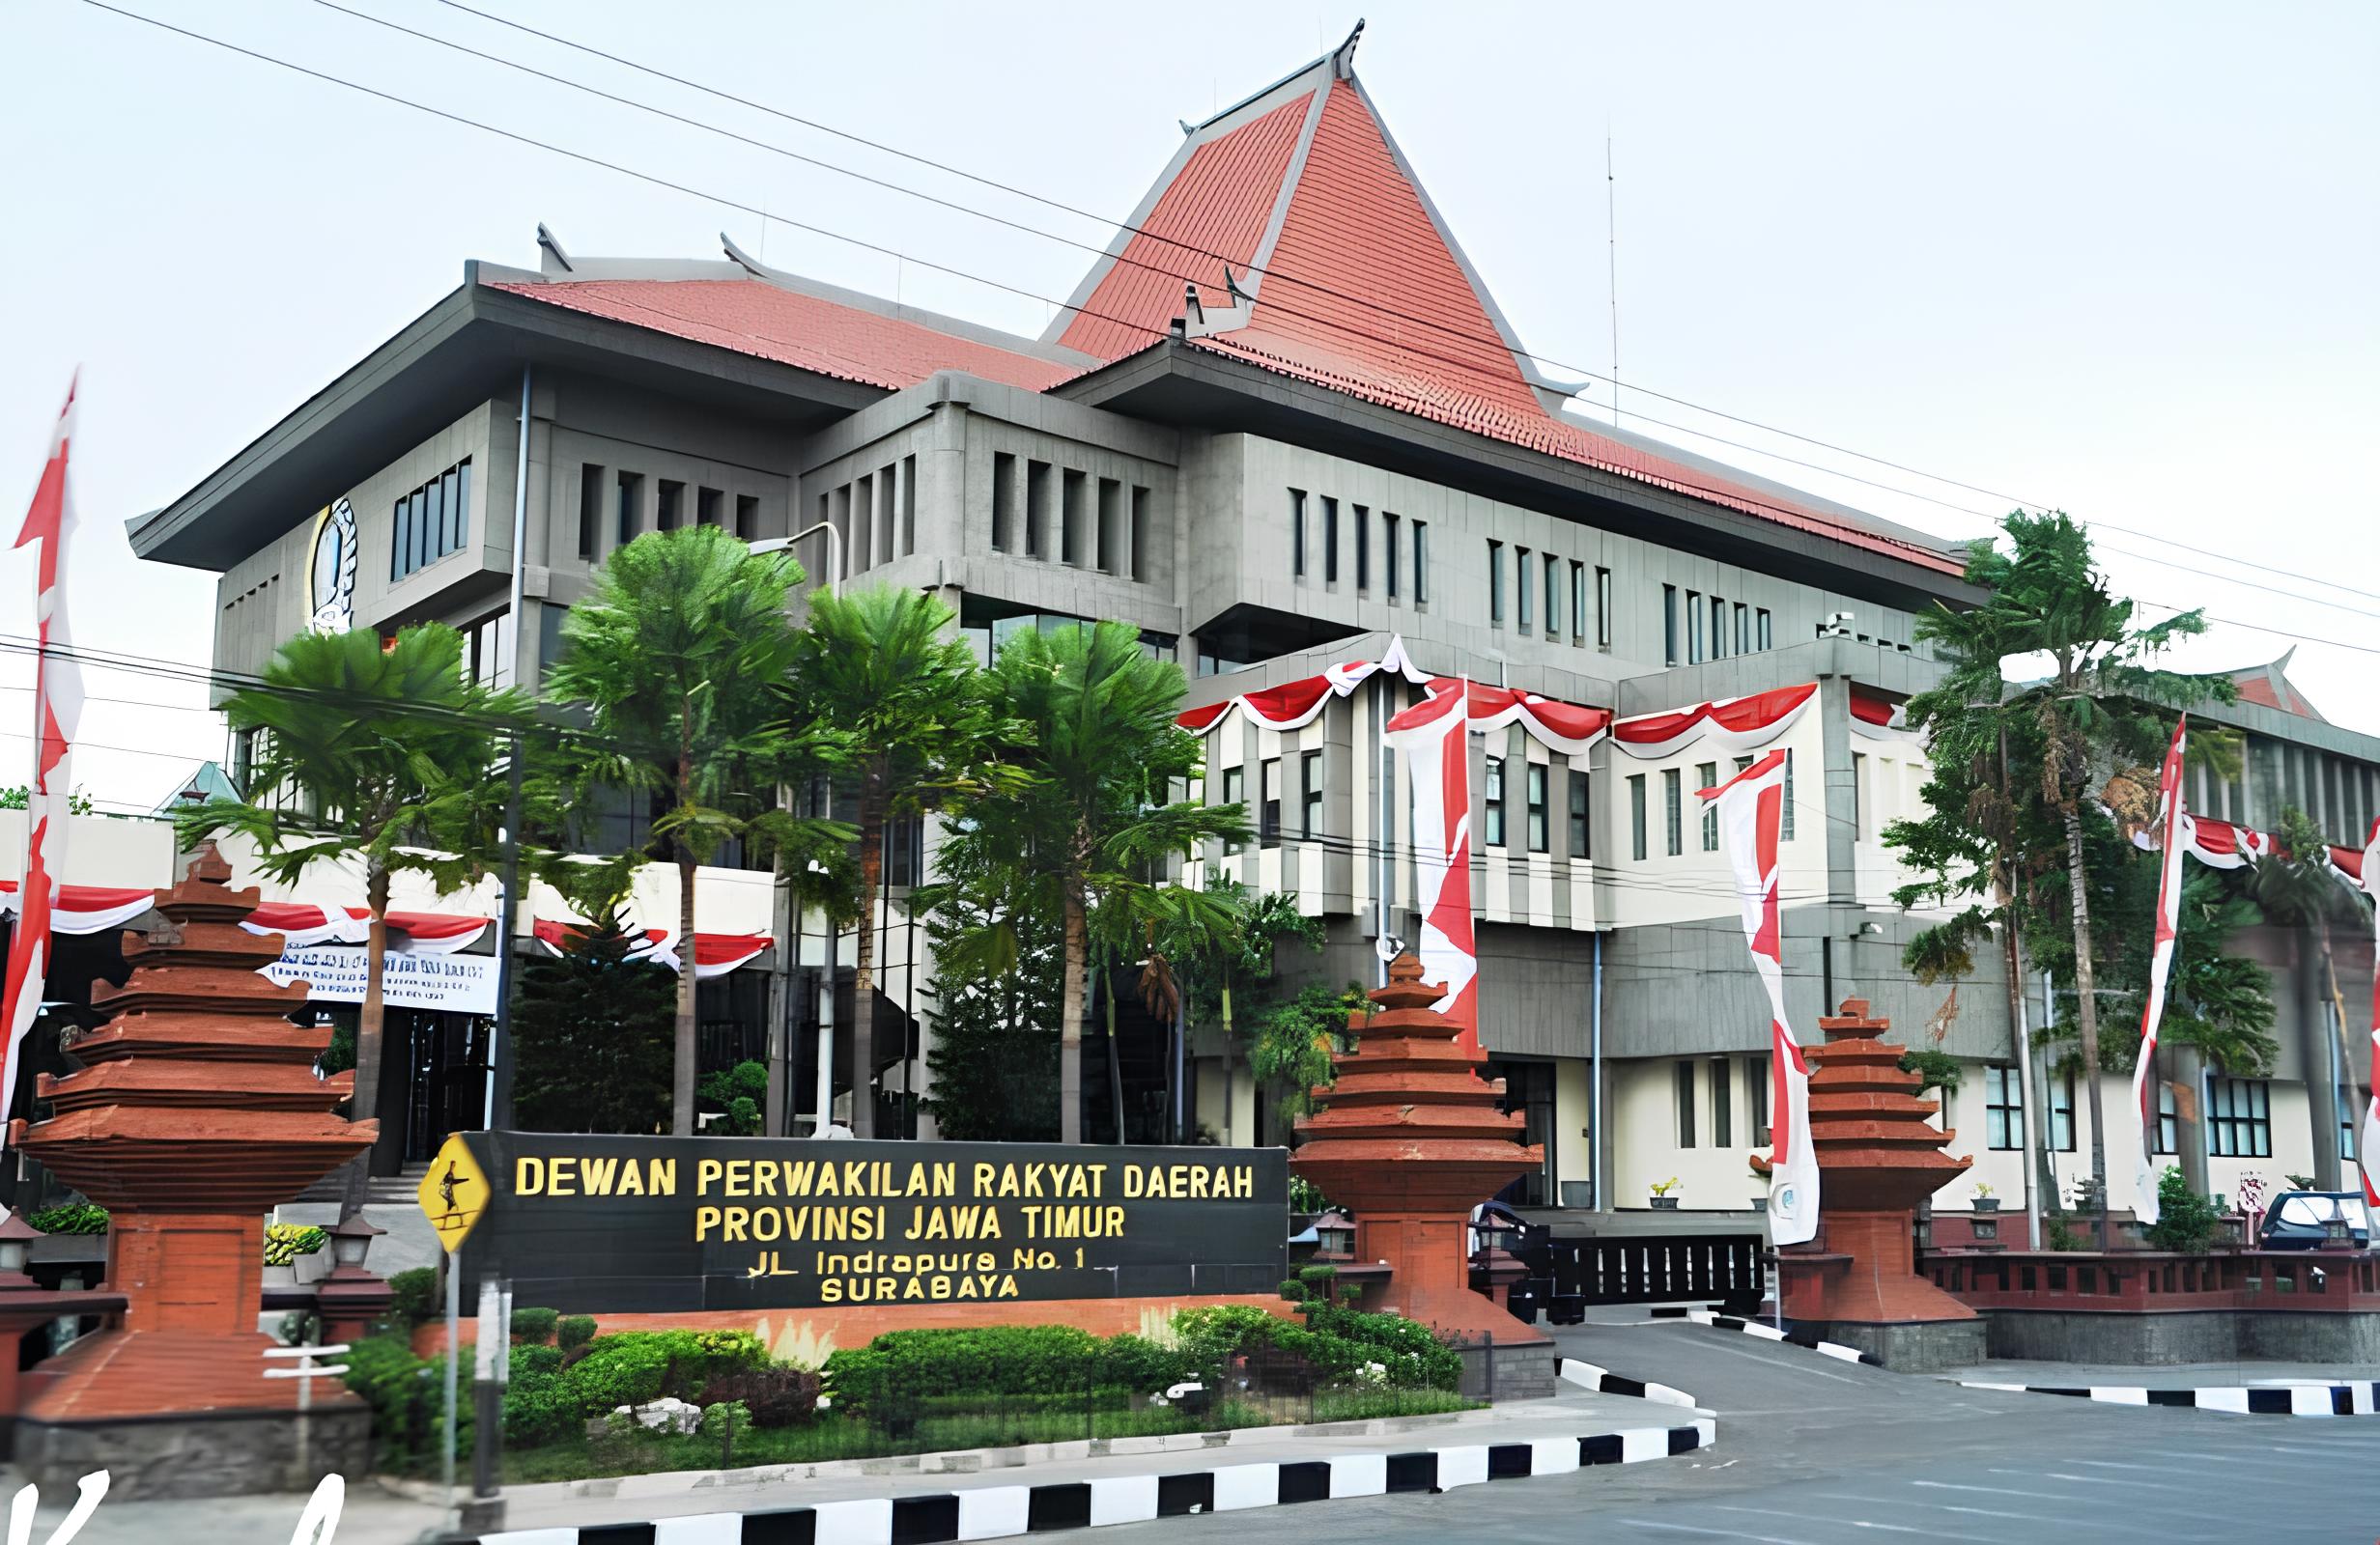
column 835, row 547
column 16, row 1237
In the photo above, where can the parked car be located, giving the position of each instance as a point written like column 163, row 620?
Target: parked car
column 2301, row 1219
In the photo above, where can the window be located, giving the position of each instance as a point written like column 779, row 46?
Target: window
column 1785, row 825
column 1762, row 635
column 1140, row 535
column 1582, row 831
column 1108, row 534
column 1709, row 775
column 907, row 511
column 590, row 504
column 2240, row 1118
column 1723, row 1104
column 1686, row 1104
column 1421, row 563
column 1495, row 581
column 1602, row 608
column 1670, row 625
column 1388, row 552
column 1743, row 629
column 2061, row 1114
column 1672, row 801
column 431, row 521
column 1310, row 778
column 668, row 508
column 1539, row 835
column 2168, row 1120
column 1363, row 548
column 1693, row 628
column 709, row 505
column 1636, row 816
column 1553, row 595
column 2003, row 1108
column 628, row 508
column 746, row 516
column 1235, row 792
column 1036, row 509
column 1071, row 485
column 1330, row 541
column 1268, row 816
column 1756, row 1089
column 1859, row 796
column 1297, row 533
column 1522, row 581
column 488, row 650
column 1003, row 500
column 1496, row 801
column 1718, row 629
column 1578, row 602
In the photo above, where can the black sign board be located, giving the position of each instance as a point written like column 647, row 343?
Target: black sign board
column 590, row 1224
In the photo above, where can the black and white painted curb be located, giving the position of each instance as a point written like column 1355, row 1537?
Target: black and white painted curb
column 2359, row 1399
column 1587, row 1376
column 997, row 1513
column 1770, row 1333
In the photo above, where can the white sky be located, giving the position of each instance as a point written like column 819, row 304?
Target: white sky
column 2117, row 258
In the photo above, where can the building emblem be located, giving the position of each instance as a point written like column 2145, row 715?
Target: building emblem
column 330, row 571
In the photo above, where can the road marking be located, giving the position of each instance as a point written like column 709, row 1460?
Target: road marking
column 2098, row 1525
column 1852, row 1523
column 1710, row 1534
column 1780, row 1363
column 2087, row 1480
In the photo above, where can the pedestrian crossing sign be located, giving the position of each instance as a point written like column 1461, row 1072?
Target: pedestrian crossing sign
column 454, row 1192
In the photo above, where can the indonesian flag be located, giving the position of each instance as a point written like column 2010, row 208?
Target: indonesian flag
column 1752, row 811
column 57, row 707
column 2371, row 881
column 2160, row 960
column 1435, row 743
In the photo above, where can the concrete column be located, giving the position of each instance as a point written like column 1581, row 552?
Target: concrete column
column 1841, row 792
column 2316, row 1040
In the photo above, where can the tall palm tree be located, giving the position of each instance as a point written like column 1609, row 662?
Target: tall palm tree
column 2103, row 703
column 1103, row 750
column 2297, row 888
column 676, row 658
column 374, row 752
column 886, row 668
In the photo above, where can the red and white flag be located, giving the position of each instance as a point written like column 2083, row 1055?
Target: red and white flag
column 1751, row 812
column 1435, row 741
column 57, row 707
column 2160, row 964
column 2370, row 1145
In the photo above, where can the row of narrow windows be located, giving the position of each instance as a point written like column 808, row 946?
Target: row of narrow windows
column 1325, row 543
column 1589, row 607
column 876, row 516
column 637, row 504
column 1102, row 523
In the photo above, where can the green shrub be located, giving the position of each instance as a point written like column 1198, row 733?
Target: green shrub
column 619, row 1371
column 995, row 1360
column 1141, row 1366
column 2185, row 1220
column 540, row 1406
column 574, row 1329
column 722, row 1418
column 1293, row 1290
column 1314, row 1272
column 415, row 1297
column 70, row 1217
column 534, row 1326
column 537, row 1360
column 407, row 1395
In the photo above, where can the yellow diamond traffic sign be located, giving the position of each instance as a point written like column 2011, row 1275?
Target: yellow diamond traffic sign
column 454, row 1192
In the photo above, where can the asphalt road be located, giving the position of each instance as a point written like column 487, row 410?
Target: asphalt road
column 1813, row 1452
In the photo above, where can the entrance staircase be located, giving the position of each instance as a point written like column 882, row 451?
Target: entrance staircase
column 383, row 1190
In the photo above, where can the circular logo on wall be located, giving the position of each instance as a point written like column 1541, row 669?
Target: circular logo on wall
column 1787, row 1199
column 330, row 571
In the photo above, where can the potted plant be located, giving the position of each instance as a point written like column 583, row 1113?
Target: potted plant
column 1985, row 1202
column 286, row 1244
column 1663, row 1200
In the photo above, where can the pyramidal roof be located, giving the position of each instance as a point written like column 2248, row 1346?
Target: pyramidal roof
column 1316, row 253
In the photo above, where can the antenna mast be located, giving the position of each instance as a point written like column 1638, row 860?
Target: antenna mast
column 1611, row 225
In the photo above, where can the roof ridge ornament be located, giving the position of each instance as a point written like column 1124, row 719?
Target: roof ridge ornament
column 1197, row 320
column 1343, row 58
column 553, row 254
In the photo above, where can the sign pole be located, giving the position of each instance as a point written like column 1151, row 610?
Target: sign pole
column 454, row 1358
column 453, row 1193
column 484, row 1514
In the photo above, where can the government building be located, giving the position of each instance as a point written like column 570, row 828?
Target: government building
column 1281, row 426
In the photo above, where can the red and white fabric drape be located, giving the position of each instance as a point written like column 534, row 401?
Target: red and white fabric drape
column 715, row 954
column 86, row 908
column 306, row 924
column 1874, row 717
column 1436, row 754
column 1732, row 725
column 2367, row 876
column 57, row 712
column 1751, row 812
column 1294, row 705
column 2170, row 818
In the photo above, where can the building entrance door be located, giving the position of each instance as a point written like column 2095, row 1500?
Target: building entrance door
column 1528, row 1088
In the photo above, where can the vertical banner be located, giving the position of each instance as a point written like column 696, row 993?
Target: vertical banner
column 1434, row 738
column 57, row 707
column 2161, row 961
column 2369, row 1147
column 1751, row 808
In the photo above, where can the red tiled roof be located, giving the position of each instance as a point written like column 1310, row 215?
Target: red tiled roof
column 754, row 317
column 2257, row 687
column 1214, row 210
column 1363, row 295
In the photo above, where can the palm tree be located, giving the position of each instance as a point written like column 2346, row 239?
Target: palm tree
column 886, row 669
column 676, row 658
column 1104, row 752
column 378, row 753
column 2103, row 703
column 2297, row 888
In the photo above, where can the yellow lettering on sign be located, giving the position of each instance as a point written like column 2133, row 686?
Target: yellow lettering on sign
column 528, row 1176
column 706, row 1170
